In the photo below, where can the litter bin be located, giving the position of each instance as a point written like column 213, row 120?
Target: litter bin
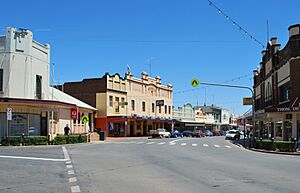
column 102, row 136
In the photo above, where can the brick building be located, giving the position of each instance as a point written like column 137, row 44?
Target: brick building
column 277, row 89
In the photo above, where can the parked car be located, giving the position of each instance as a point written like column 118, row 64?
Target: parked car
column 198, row 133
column 176, row 134
column 208, row 133
column 216, row 133
column 187, row 133
column 160, row 133
column 232, row 134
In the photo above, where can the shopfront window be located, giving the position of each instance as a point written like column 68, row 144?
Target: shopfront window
column 278, row 131
column 116, row 128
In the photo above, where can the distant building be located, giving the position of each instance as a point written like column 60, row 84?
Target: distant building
column 126, row 104
column 277, row 89
column 25, row 90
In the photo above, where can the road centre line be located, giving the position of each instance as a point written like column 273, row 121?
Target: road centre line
column 75, row 189
column 33, row 158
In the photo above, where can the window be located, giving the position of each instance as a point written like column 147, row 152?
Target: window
column 110, row 101
column 123, row 102
column 169, row 109
column 284, row 93
column 152, row 107
column 166, row 110
column 132, row 105
column 1, row 80
column 117, row 109
column 38, row 87
column 144, row 106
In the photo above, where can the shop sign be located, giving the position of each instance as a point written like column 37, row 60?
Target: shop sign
column 74, row 113
column 9, row 113
column 288, row 109
column 247, row 101
column 159, row 102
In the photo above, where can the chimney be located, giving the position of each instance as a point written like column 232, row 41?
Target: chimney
column 294, row 30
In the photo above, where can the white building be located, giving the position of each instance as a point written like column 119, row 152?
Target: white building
column 24, row 88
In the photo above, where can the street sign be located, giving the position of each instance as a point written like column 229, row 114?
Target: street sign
column 85, row 119
column 160, row 102
column 195, row 82
column 247, row 101
column 74, row 113
column 9, row 113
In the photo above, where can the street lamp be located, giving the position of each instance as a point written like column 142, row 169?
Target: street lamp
column 239, row 87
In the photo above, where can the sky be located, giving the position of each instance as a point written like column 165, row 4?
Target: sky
column 181, row 39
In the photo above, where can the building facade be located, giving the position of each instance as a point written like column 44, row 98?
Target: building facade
column 126, row 106
column 26, row 99
column 277, row 89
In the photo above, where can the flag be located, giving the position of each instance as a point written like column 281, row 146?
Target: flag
column 128, row 68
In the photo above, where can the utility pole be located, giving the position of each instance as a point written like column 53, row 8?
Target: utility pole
column 52, row 113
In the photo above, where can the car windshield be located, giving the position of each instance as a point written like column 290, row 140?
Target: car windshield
column 232, row 132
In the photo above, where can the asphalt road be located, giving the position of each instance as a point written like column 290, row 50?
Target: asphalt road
column 157, row 165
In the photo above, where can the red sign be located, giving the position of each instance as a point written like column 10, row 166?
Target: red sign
column 74, row 113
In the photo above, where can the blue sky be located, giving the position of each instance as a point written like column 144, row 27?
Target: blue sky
column 184, row 39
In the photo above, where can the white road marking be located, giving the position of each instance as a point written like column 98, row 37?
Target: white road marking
column 75, row 189
column 216, row 145
column 34, row 158
column 149, row 143
column 68, row 162
column 194, row 144
column 161, row 143
column 172, row 143
column 66, row 154
column 183, row 144
column 205, row 145
column 69, row 166
column 73, row 179
column 228, row 146
column 71, row 172
column 140, row 142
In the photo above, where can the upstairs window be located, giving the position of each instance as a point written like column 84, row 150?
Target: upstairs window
column 38, row 87
column 110, row 101
column 117, row 109
column 132, row 105
column 144, row 106
column 284, row 93
column 153, row 107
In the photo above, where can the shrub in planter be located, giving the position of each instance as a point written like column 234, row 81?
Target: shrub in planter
column 285, row 146
column 71, row 139
column 28, row 140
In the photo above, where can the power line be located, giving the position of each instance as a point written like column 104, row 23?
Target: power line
column 234, row 23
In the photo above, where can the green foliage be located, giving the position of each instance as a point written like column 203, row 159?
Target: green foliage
column 71, row 139
column 28, row 140
column 284, row 146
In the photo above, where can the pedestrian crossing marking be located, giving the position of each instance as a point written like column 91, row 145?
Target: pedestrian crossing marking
column 228, row 146
column 194, row 144
column 161, row 143
column 217, row 146
column 205, row 145
column 183, row 144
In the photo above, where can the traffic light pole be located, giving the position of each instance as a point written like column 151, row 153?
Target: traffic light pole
column 239, row 87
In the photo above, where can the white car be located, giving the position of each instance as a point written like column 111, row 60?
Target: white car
column 160, row 133
column 232, row 134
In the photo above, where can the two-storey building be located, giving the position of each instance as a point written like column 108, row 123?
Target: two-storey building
column 126, row 105
column 28, row 105
column 277, row 89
